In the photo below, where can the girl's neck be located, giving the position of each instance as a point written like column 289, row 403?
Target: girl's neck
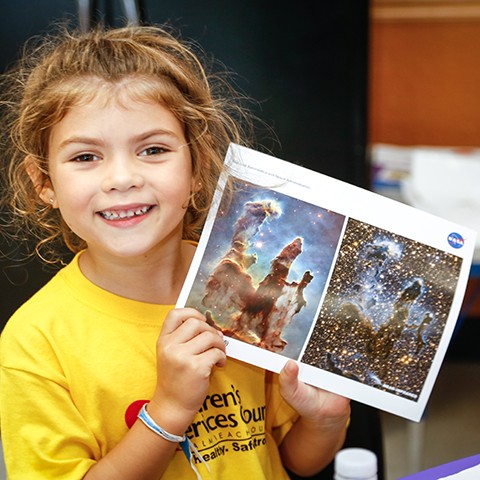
column 153, row 279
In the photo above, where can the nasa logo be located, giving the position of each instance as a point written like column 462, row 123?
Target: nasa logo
column 456, row 240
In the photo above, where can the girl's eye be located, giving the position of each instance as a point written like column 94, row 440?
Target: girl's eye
column 152, row 151
column 85, row 157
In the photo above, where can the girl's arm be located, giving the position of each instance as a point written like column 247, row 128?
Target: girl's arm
column 319, row 432
column 187, row 350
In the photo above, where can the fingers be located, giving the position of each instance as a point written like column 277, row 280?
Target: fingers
column 191, row 328
column 187, row 351
column 212, row 355
column 178, row 316
column 203, row 341
column 186, row 334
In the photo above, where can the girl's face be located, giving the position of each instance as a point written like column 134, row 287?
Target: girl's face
column 121, row 176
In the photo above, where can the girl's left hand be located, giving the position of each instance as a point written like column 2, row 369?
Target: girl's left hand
column 310, row 402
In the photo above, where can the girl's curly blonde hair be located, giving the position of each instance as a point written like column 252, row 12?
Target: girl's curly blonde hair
column 65, row 70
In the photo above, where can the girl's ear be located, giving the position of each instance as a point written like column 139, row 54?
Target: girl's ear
column 41, row 182
column 195, row 185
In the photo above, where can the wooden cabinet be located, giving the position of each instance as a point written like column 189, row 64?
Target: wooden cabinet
column 424, row 75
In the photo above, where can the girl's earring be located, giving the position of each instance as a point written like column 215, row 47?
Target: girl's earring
column 191, row 198
column 51, row 200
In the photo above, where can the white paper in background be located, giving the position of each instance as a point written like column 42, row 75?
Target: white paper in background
column 361, row 290
column 445, row 183
column 468, row 474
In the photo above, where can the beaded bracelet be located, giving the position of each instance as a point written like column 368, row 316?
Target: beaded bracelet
column 187, row 446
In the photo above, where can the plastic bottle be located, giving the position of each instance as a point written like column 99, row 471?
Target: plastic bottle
column 355, row 464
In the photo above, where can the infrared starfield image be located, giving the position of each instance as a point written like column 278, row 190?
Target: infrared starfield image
column 385, row 310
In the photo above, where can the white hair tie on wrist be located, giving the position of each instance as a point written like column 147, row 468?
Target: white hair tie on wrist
column 187, row 446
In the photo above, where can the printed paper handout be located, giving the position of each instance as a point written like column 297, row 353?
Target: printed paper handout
column 362, row 291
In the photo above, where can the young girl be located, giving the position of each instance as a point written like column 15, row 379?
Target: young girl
column 117, row 139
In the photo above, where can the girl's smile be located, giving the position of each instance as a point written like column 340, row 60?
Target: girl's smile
column 126, row 216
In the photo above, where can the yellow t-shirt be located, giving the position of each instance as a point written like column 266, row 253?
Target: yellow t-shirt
column 77, row 363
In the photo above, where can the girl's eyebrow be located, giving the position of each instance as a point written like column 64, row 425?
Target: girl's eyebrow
column 155, row 132
column 85, row 140
column 81, row 140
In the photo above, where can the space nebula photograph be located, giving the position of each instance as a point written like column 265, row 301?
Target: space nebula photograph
column 384, row 311
column 265, row 268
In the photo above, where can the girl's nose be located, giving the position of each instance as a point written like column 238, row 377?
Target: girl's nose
column 122, row 174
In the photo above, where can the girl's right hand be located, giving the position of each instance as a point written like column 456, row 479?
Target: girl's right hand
column 187, row 351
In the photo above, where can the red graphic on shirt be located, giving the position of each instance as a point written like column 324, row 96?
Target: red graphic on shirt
column 133, row 410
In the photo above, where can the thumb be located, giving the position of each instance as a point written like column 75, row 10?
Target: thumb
column 289, row 380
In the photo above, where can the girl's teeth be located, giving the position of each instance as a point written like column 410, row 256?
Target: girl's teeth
column 124, row 213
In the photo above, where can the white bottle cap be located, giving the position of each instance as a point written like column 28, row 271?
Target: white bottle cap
column 356, row 463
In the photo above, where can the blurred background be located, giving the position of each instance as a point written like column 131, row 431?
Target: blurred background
column 358, row 90
column 423, row 108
